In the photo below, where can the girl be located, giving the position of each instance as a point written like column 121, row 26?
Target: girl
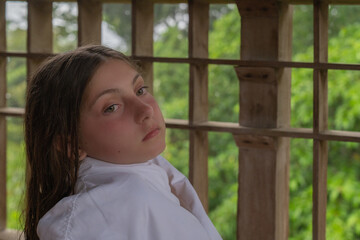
column 93, row 138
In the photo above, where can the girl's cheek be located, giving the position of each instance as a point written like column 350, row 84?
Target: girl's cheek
column 154, row 103
column 155, row 106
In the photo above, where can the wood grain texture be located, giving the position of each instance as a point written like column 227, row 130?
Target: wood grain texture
column 295, row 2
column 2, row 119
column 89, row 22
column 258, row 97
column 264, row 161
column 256, row 205
column 198, row 97
column 142, row 37
column 320, row 122
column 40, row 35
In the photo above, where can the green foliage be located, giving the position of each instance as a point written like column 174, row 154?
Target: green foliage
column 224, row 216
column 303, row 37
column 223, row 94
column 15, row 40
column 302, row 98
column 344, row 110
column 65, row 26
column 343, row 164
column 300, row 205
column 16, row 78
column 170, row 89
column 172, row 43
column 177, row 150
column 340, row 17
column 119, row 25
column 15, row 172
column 224, row 42
column 16, row 26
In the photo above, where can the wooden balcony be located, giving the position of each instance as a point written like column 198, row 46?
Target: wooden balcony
column 264, row 73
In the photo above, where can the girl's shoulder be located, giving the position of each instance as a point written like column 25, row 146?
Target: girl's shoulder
column 125, row 207
column 88, row 213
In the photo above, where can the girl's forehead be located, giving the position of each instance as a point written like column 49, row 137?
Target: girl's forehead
column 113, row 67
column 112, row 73
column 111, row 70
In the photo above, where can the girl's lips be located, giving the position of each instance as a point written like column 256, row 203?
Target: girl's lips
column 152, row 134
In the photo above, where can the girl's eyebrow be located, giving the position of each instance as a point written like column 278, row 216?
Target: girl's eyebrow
column 107, row 91
column 135, row 78
column 112, row 91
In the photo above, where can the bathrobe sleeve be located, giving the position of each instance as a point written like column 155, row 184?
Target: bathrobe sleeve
column 182, row 188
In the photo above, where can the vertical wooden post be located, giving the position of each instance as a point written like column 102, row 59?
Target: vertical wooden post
column 198, row 97
column 39, row 37
column 264, row 103
column 320, row 148
column 89, row 22
column 142, row 36
column 2, row 119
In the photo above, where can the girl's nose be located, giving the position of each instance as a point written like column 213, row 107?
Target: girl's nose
column 143, row 111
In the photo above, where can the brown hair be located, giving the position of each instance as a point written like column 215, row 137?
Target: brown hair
column 52, row 112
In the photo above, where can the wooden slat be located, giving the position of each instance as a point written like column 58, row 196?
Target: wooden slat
column 2, row 27
column 13, row 112
column 244, row 63
column 9, row 234
column 257, row 208
column 297, row 2
column 89, row 22
column 335, row 2
column 2, row 118
column 308, row 2
column 25, row 55
column 258, row 96
column 198, row 123
column 235, row 128
column 284, row 74
column 40, row 35
column 264, row 103
column 282, row 169
column 229, row 127
column 39, row 27
column 142, row 36
column 336, row 135
column 252, row 63
column 198, row 97
column 320, row 151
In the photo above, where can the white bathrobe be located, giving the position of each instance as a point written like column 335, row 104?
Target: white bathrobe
column 146, row 201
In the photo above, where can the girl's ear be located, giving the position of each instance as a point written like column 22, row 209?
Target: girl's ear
column 82, row 154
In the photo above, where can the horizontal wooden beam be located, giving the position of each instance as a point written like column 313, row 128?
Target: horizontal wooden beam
column 12, row 112
column 233, row 62
column 295, row 2
column 25, row 54
column 10, row 234
column 330, row 2
column 235, row 128
column 253, row 63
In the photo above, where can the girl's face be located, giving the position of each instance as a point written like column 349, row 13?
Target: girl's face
column 120, row 122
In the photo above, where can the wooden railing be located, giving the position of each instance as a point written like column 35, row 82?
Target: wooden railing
column 265, row 66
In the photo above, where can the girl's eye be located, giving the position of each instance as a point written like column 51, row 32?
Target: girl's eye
column 141, row 91
column 111, row 108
